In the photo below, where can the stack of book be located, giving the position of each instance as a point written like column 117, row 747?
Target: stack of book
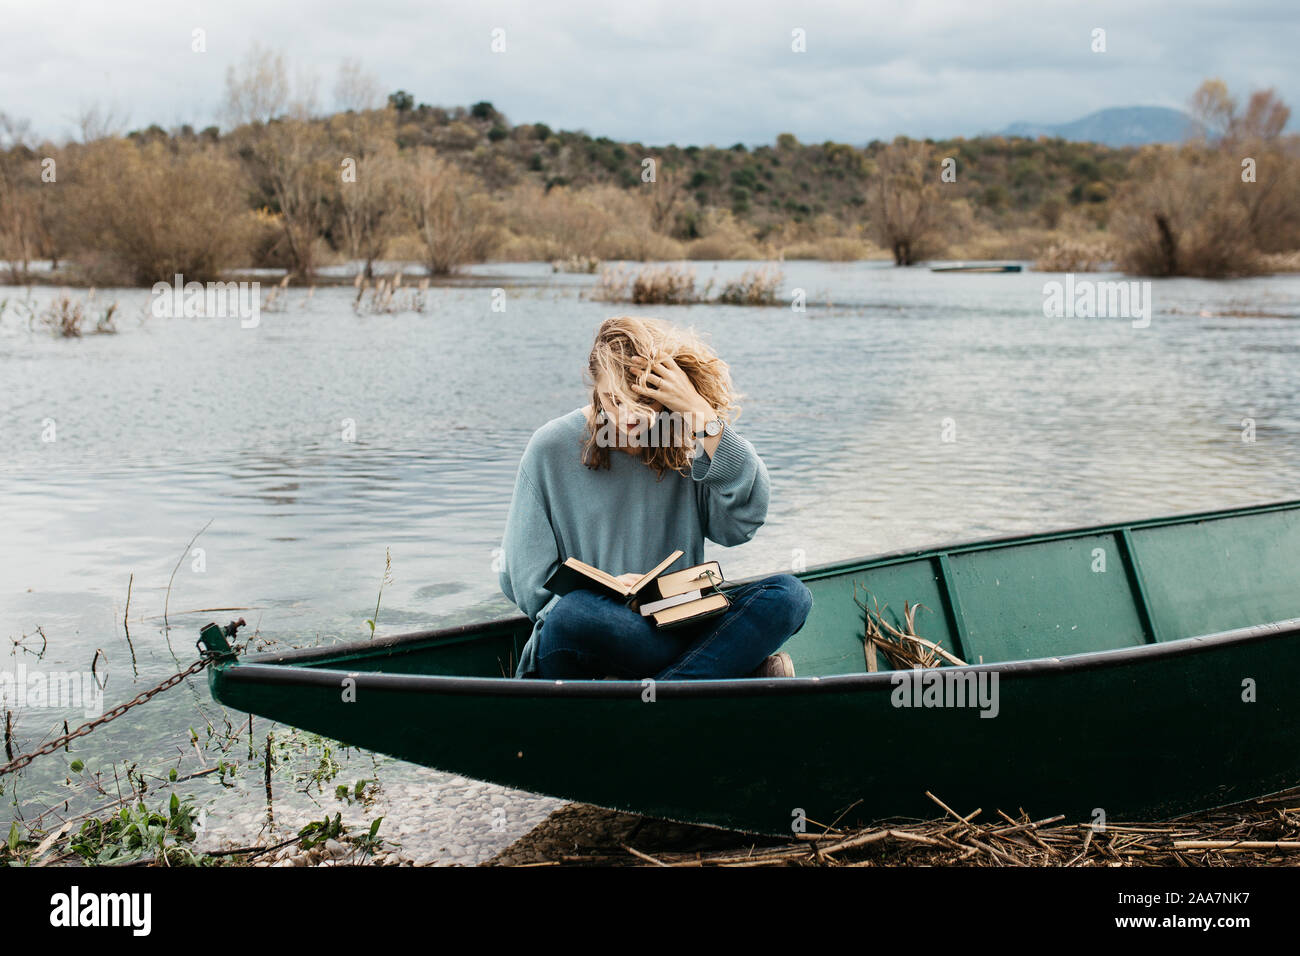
column 668, row 600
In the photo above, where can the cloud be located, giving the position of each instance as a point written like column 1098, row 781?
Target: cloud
column 660, row 72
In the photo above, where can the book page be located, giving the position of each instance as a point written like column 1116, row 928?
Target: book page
column 655, row 572
column 602, row 576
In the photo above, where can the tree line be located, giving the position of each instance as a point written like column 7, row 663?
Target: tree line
column 288, row 186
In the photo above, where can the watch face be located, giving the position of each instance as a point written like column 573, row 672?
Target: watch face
column 712, row 428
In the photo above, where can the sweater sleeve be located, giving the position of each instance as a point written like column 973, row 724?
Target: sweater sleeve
column 529, row 550
column 732, row 488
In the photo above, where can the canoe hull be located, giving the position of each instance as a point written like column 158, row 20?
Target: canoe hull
column 1140, row 733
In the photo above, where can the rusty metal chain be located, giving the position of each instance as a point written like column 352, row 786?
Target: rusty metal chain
column 19, row 762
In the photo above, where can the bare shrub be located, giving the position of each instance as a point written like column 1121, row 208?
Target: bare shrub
column 755, row 287
column 832, row 249
column 1182, row 214
column 1215, row 207
column 257, row 89
column 909, row 214
column 585, row 264
column 671, row 284
column 651, row 285
column 66, row 317
column 355, row 88
column 143, row 214
column 825, row 237
column 294, row 162
column 664, row 285
column 368, row 185
column 612, row 285
column 557, row 224
column 631, row 232
column 1071, row 255
column 19, row 218
column 722, row 237
column 455, row 222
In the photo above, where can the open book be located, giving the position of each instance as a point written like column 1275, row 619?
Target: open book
column 669, row 600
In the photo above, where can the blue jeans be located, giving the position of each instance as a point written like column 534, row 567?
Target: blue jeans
column 592, row 635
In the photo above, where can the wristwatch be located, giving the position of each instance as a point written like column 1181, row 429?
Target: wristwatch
column 711, row 428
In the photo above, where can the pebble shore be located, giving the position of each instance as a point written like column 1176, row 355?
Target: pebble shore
column 429, row 819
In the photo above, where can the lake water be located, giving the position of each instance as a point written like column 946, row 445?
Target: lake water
column 174, row 423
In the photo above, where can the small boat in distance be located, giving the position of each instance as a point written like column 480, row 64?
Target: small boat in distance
column 980, row 268
column 1147, row 669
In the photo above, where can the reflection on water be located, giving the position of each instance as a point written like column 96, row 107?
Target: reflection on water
column 174, row 423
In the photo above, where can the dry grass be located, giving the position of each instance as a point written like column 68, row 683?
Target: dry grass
column 756, row 287
column 1281, row 261
column 576, row 263
column 1071, row 255
column 654, row 285
column 833, row 249
column 1264, row 832
column 722, row 237
column 386, row 296
column 67, row 318
column 664, row 285
column 903, row 647
column 600, row 222
column 669, row 284
column 1256, row 833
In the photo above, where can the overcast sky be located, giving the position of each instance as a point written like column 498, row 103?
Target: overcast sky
column 660, row 72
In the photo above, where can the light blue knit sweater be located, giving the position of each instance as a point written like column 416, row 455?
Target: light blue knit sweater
column 621, row 519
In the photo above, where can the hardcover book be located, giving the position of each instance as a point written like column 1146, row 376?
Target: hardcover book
column 669, row 600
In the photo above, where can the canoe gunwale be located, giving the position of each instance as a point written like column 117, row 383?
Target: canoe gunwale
column 262, row 672
column 1011, row 540
column 466, row 632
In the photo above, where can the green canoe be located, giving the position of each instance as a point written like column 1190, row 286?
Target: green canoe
column 1140, row 670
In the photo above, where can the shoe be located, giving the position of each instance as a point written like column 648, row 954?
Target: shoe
column 778, row 665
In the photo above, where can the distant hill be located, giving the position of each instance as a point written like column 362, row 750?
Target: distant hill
column 1117, row 127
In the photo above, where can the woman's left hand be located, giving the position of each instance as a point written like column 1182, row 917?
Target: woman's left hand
column 669, row 385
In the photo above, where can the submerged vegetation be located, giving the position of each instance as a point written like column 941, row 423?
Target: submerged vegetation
column 130, row 828
column 675, row 285
column 65, row 316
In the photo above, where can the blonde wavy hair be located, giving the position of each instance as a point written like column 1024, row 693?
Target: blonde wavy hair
column 623, row 337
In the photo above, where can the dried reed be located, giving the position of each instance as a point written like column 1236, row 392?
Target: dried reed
column 903, row 649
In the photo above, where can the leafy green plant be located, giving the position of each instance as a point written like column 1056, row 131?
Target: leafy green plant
column 326, row 769
column 318, row 831
column 135, row 833
column 370, row 842
column 11, row 851
column 358, row 793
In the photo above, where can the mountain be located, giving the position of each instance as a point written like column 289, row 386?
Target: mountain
column 1118, row 126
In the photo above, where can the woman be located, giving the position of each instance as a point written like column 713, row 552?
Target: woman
column 616, row 485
